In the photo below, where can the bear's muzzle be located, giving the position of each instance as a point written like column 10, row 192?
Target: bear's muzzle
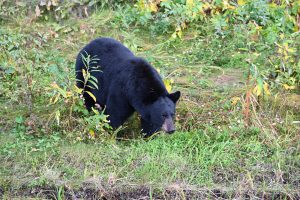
column 168, row 126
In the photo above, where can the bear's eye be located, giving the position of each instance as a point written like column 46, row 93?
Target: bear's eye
column 164, row 115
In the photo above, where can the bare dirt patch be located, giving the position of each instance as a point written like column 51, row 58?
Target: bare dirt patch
column 145, row 193
column 232, row 77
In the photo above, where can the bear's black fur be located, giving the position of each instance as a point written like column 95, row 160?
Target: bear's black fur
column 126, row 83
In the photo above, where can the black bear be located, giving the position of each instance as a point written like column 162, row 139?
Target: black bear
column 126, row 83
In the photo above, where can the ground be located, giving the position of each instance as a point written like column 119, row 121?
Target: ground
column 212, row 155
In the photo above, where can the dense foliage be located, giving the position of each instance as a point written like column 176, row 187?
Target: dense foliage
column 267, row 31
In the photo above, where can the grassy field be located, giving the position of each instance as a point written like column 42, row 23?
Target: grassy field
column 214, row 153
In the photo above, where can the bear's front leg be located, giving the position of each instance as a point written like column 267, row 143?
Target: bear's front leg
column 88, row 101
column 148, row 128
column 118, row 110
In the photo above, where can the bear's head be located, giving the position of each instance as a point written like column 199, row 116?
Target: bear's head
column 160, row 115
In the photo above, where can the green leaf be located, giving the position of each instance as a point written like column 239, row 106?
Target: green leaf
column 19, row 120
column 94, row 78
column 93, row 83
column 57, row 117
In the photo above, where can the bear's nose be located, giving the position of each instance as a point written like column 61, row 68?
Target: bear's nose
column 171, row 131
column 168, row 126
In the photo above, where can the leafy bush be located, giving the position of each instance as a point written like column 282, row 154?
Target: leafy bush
column 265, row 29
column 258, row 35
column 55, row 9
column 20, row 75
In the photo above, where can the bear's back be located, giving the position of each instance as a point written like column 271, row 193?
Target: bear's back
column 120, row 67
column 110, row 52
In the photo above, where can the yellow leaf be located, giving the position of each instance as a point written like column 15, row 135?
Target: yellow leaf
column 174, row 35
column 84, row 74
column 69, row 94
column 153, row 7
column 140, row 5
column 91, row 95
column 241, row 2
column 235, row 100
column 183, row 25
column 95, row 111
column 202, row 11
column 258, row 29
column 291, row 50
column 286, row 56
column 77, row 89
column 206, row 6
column 190, row 3
column 92, row 134
column 167, row 83
column 227, row 5
column 54, row 85
column 257, row 90
column 266, row 88
column 254, row 91
column 179, row 33
column 296, row 28
column 56, row 98
column 273, row 5
column 288, row 87
column 281, row 36
column 61, row 91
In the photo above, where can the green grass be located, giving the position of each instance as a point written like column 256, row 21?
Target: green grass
column 190, row 161
column 212, row 159
column 212, row 153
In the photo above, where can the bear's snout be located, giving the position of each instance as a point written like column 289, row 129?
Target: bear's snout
column 171, row 131
column 168, row 126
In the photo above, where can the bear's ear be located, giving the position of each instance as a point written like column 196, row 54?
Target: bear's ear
column 174, row 96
